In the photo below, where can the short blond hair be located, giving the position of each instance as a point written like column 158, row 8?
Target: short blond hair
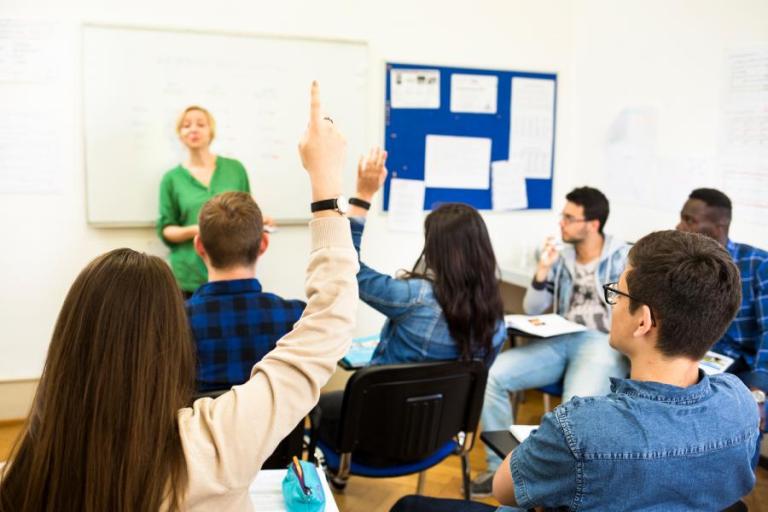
column 211, row 120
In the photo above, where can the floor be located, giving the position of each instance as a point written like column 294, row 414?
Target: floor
column 444, row 480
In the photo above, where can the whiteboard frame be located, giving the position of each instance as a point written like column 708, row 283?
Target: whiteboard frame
column 188, row 30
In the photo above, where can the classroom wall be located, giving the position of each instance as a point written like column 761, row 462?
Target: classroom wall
column 659, row 68
column 47, row 241
column 607, row 56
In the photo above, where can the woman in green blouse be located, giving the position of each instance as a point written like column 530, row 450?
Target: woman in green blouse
column 185, row 188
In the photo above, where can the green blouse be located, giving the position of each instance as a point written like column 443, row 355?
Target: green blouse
column 181, row 198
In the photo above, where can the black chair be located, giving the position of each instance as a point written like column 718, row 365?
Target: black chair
column 292, row 445
column 403, row 419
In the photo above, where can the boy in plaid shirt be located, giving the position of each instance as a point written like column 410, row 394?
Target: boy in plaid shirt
column 708, row 212
column 233, row 321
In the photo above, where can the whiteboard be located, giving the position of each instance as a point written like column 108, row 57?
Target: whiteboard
column 136, row 81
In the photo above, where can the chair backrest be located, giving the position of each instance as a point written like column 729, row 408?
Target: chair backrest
column 406, row 412
column 292, row 444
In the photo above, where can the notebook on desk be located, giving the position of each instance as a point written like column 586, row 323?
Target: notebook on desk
column 714, row 363
column 361, row 351
column 542, row 326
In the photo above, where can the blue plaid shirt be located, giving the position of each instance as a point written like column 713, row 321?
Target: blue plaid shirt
column 746, row 340
column 235, row 324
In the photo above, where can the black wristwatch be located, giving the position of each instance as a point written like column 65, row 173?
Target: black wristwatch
column 340, row 204
column 365, row 205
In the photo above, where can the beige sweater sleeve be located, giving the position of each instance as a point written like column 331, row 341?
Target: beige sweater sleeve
column 226, row 440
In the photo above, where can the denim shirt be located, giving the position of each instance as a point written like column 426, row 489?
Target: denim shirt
column 646, row 446
column 415, row 329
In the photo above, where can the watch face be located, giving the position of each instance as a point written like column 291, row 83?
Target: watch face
column 342, row 204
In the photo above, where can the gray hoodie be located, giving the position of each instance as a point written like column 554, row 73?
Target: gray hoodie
column 559, row 282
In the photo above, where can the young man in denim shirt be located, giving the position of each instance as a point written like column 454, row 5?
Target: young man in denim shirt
column 569, row 280
column 669, row 438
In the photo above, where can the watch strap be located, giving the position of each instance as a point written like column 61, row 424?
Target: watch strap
column 325, row 204
column 360, row 203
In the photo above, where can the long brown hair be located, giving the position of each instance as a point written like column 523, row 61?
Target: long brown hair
column 102, row 433
column 459, row 260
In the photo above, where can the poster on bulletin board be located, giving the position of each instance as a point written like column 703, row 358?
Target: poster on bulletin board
column 476, row 136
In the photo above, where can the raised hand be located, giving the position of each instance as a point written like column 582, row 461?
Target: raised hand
column 322, row 149
column 371, row 173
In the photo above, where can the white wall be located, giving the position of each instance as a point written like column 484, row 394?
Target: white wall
column 666, row 57
column 46, row 240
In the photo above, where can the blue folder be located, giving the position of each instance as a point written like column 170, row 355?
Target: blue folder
column 360, row 352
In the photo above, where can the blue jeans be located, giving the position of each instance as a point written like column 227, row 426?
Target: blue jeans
column 584, row 361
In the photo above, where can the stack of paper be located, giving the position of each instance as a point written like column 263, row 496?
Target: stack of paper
column 542, row 326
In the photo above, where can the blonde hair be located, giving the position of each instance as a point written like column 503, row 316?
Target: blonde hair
column 211, row 120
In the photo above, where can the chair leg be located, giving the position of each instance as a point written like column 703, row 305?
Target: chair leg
column 547, row 403
column 515, row 399
column 421, row 482
column 465, row 474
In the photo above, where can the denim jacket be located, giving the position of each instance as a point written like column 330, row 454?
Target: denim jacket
column 415, row 329
column 646, row 446
column 559, row 281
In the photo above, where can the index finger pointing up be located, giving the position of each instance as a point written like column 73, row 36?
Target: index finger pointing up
column 315, row 115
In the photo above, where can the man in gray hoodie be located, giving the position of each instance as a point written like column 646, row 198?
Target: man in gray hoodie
column 569, row 280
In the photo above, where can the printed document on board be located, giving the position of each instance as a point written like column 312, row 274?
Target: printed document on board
column 474, row 94
column 532, row 125
column 406, row 205
column 414, row 88
column 457, row 162
column 508, row 188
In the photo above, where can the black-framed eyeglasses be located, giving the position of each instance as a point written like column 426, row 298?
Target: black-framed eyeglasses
column 570, row 219
column 611, row 293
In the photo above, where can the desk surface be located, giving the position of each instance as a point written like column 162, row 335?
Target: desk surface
column 500, row 441
column 267, row 493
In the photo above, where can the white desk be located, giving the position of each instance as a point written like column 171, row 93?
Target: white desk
column 267, row 492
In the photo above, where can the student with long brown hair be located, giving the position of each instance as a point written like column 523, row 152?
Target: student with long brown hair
column 109, row 429
column 447, row 308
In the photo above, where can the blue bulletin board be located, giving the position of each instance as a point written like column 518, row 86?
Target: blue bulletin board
column 418, row 113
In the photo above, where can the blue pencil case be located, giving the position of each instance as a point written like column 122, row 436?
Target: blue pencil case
column 302, row 488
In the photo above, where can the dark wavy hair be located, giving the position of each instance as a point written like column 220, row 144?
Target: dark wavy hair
column 459, row 261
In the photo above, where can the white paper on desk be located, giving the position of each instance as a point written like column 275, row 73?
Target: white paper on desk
column 266, row 492
column 543, row 326
column 474, row 94
column 457, row 162
column 521, row 432
column 414, row 88
column 508, row 189
column 406, row 205
column 713, row 363
column 532, row 124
